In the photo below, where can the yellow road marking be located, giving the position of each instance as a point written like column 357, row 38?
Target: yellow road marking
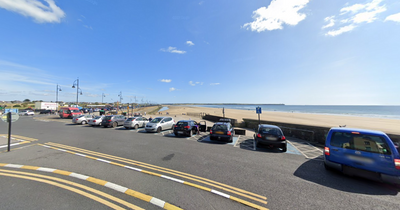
column 169, row 171
column 100, row 200
column 137, row 163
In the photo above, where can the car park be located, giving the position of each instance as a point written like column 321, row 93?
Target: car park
column 160, row 123
column 113, row 121
column 135, row 122
column 222, row 130
column 365, row 153
column 27, row 112
column 82, row 119
column 185, row 127
column 96, row 121
column 271, row 136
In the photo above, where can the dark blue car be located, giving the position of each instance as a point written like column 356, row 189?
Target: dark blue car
column 364, row 153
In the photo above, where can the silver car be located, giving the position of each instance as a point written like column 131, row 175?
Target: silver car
column 160, row 123
column 96, row 121
column 82, row 119
column 135, row 122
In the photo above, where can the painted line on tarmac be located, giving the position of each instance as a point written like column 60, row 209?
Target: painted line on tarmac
column 15, row 144
column 297, row 149
column 109, row 185
column 89, row 189
column 170, row 171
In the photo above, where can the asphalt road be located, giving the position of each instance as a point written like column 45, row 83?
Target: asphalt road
column 177, row 170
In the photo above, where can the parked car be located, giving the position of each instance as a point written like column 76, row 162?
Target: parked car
column 96, row 121
column 364, row 153
column 69, row 112
column 82, row 119
column 27, row 112
column 113, row 121
column 185, row 127
column 222, row 130
column 135, row 122
column 44, row 111
column 160, row 123
column 270, row 135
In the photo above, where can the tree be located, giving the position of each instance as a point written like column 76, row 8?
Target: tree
column 27, row 100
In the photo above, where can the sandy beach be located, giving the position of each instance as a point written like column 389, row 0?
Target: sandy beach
column 386, row 125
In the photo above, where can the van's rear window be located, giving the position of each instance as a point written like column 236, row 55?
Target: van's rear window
column 361, row 142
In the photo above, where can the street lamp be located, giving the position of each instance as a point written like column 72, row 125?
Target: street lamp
column 58, row 88
column 120, row 97
column 102, row 96
column 78, row 90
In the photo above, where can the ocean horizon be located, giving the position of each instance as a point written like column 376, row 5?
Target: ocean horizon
column 373, row 111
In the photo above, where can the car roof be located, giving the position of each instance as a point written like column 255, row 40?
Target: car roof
column 358, row 130
column 268, row 126
column 222, row 123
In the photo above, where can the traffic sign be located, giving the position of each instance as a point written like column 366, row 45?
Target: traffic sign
column 258, row 110
column 14, row 117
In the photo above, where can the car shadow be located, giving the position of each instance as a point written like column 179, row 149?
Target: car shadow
column 313, row 171
column 207, row 140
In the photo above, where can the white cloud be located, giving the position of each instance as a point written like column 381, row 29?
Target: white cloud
column 88, row 27
column 279, row 12
column 195, row 83
column 394, row 17
column 40, row 12
column 190, row 43
column 354, row 16
column 331, row 21
column 212, row 84
column 173, row 50
column 340, row 30
column 201, row 3
column 166, row 80
column 191, row 83
column 172, row 89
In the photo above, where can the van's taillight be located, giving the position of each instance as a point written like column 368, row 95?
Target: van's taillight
column 327, row 151
column 210, row 131
column 259, row 135
column 187, row 127
column 397, row 163
column 283, row 138
column 228, row 133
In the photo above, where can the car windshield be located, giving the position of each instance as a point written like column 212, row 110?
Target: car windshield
column 156, row 120
column 131, row 119
column 107, row 117
column 182, row 123
column 272, row 131
column 98, row 117
column 220, row 127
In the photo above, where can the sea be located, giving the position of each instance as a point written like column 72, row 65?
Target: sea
column 387, row 112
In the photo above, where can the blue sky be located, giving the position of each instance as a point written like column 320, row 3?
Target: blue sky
column 302, row 52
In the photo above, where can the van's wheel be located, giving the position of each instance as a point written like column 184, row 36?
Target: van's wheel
column 190, row 133
column 83, row 122
column 114, row 124
column 158, row 129
column 136, row 126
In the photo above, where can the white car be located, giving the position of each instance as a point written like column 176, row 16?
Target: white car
column 96, row 121
column 27, row 112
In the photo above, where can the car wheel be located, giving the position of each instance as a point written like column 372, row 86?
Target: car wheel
column 231, row 139
column 126, row 128
column 136, row 126
column 190, row 133
column 114, row 124
column 284, row 148
column 211, row 138
column 176, row 134
column 158, row 129
column 83, row 122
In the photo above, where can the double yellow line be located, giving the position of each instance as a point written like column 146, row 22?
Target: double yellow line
column 57, row 182
column 227, row 188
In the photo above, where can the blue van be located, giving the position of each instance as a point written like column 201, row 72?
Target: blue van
column 364, row 153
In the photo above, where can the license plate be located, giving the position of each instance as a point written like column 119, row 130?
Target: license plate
column 180, row 132
column 219, row 132
column 272, row 138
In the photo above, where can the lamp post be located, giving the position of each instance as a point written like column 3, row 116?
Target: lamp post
column 78, row 90
column 102, row 96
column 58, row 88
column 120, row 97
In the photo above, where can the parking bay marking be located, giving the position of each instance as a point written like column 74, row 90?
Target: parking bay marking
column 222, row 186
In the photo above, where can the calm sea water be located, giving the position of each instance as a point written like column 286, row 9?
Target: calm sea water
column 390, row 112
